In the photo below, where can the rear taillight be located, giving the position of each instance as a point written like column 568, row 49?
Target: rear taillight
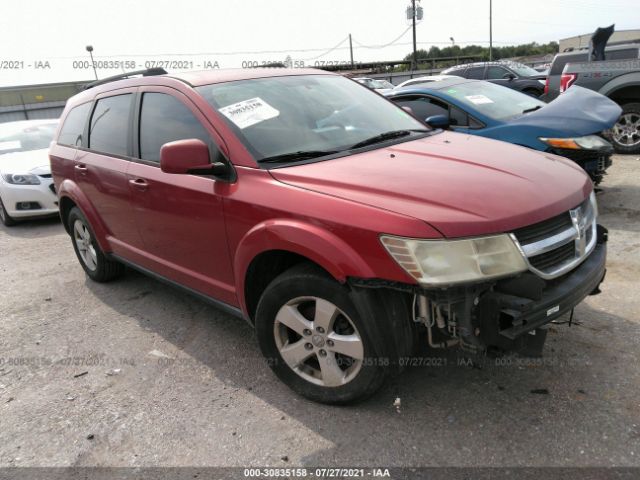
column 566, row 80
column 546, row 85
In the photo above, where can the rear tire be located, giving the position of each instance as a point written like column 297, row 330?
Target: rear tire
column 93, row 260
column 6, row 219
column 625, row 134
column 314, row 339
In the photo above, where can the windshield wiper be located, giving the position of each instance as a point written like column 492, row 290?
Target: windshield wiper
column 386, row 136
column 532, row 109
column 300, row 155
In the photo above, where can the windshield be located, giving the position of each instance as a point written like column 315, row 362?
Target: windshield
column 493, row 100
column 25, row 136
column 276, row 116
column 523, row 70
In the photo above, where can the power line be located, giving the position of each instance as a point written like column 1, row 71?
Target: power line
column 384, row 45
column 328, row 51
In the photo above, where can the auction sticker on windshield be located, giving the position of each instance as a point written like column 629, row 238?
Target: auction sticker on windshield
column 478, row 99
column 249, row 112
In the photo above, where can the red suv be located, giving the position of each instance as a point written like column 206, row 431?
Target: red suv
column 332, row 220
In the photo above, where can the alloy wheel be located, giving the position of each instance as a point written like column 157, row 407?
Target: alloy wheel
column 318, row 341
column 82, row 237
column 626, row 131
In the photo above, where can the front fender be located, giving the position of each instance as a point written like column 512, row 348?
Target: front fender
column 69, row 189
column 308, row 240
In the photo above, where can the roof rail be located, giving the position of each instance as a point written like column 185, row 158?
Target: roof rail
column 149, row 72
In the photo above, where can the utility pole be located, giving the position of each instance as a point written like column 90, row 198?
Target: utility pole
column 490, row 32
column 351, row 50
column 413, row 20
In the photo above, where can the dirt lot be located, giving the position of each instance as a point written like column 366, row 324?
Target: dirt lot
column 134, row 373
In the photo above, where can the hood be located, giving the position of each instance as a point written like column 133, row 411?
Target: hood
column 33, row 161
column 462, row 185
column 576, row 112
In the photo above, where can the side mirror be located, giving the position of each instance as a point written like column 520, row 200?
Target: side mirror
column 438, row 121
column 189, row 156
column 509, row 76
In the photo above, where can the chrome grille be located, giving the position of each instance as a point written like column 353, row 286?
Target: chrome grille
column 555, row 246
column 554, row 257
column 539, row 231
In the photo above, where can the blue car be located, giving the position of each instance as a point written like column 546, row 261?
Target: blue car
column 570, row 126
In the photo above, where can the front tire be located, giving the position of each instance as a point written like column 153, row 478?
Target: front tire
column 5, row 218
column 314, row 339
column 93, row 260
column 625, row 134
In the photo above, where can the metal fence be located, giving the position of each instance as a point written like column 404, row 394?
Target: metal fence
column 33, row 102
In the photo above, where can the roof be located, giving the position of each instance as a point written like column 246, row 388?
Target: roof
column 437, row 85
column 194, row 79
column 427, row 78
column 481, row 64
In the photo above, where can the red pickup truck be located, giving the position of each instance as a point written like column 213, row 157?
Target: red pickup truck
column 337, row 224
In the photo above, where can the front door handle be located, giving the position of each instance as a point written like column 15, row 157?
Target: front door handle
column 81, row 169
column 139, row 184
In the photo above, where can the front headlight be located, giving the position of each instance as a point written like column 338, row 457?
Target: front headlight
column 589, row 142
column 21, row 178
column 446, row 262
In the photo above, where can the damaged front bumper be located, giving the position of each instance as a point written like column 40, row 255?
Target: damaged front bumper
column 516, row 307
column 509, row 314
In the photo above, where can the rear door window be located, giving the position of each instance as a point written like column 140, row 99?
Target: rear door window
column 109, row 127
column 73, row 127
column 163, row 119
column 475, row 73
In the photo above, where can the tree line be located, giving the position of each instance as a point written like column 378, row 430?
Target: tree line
column 482, row 53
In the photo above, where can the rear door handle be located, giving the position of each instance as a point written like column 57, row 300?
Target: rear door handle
column 139, row 184
column 82, row 169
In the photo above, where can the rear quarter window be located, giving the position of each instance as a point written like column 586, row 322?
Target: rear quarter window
column 73, row 126
column 622, row 54
column 457, row 71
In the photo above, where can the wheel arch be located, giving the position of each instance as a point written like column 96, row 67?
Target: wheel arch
column 272, row 247
column 70, row 195
column 625, row 88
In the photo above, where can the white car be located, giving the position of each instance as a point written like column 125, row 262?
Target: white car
column 380, row 86
column 425, row 79
column 26, row 186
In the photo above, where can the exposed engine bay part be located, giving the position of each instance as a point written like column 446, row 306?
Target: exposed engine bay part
column 431, row 316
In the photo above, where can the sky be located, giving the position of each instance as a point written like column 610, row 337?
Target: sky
column 44, row 41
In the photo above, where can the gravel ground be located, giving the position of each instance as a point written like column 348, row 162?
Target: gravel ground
column 135, row 373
